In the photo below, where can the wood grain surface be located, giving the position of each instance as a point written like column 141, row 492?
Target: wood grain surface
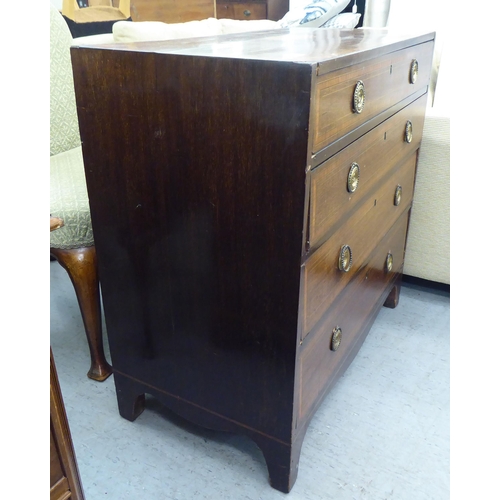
column 243, row 11
column 386, row 82
column 65, row 479
column 171, row 11
column 377, row 153
column 351, row 312
column 363, row 231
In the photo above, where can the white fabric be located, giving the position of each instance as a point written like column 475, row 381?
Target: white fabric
column 94, row 39
column 313, row 15
column 125, row 31
column 344, row 21
column 236, row 26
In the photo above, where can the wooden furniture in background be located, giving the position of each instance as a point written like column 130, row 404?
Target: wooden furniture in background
column 241, row 10
column 250, row 215
column 92, row 17
column 171, row 11
column 64, row 477
column 84, row 11
column 65, row 480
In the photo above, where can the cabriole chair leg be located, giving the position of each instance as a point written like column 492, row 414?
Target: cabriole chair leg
column 81, row 266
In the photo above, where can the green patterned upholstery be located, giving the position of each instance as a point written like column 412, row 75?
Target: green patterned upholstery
column 64, row 133
column 68, row 190
column 69, row 200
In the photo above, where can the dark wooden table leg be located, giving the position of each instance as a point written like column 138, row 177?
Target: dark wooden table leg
column 393, row 298
column 131, row 398
column 282, row 461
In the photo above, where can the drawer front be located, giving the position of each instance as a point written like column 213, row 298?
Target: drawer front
column 386, row 81
column 241, row 11
column 351, row 312
column 322, row 278
column 374, row 155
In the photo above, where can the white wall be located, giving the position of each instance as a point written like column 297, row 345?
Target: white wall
column 432, row 15
column 296, row 4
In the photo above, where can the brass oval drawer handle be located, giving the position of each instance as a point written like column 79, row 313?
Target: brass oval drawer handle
column 336, row 338
column 359, row 97
column 345, row 258
column 247, row 13
column 389, row 262
column 408, row 132
column 353, row 178
column 413, row 71
column 398, row 195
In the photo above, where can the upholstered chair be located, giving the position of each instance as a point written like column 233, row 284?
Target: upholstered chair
column 72, row 245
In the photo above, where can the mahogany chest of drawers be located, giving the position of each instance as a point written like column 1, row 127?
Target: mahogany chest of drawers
column 250, row 197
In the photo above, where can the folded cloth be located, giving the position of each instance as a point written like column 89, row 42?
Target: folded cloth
column 155, row 30
column 344, row 21
column 313, row 15
column 124, row 31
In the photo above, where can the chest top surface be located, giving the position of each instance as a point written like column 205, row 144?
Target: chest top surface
column 330, row 49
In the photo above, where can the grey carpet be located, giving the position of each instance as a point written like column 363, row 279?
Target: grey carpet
column 381, row 433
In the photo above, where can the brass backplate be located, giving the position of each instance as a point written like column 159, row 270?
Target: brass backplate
column 413, row 71
column 345, row 258
column 359, row 97
column 389, row 262
column 336, row 338
column 408, row 131
column 353, row 178
column 398, row 195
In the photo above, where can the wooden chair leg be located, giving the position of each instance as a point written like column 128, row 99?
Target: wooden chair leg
column 81, row 266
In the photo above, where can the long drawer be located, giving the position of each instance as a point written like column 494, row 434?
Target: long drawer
column 318, row 362
column 374, row 155
column 322, row 278
column 385, row 80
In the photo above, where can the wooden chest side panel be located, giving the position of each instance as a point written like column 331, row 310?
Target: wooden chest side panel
column 198, row 228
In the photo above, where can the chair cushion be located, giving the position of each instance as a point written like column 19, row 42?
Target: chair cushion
column 94, row 39
column 69, row 200
column 124, row 31
column 64, row 131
